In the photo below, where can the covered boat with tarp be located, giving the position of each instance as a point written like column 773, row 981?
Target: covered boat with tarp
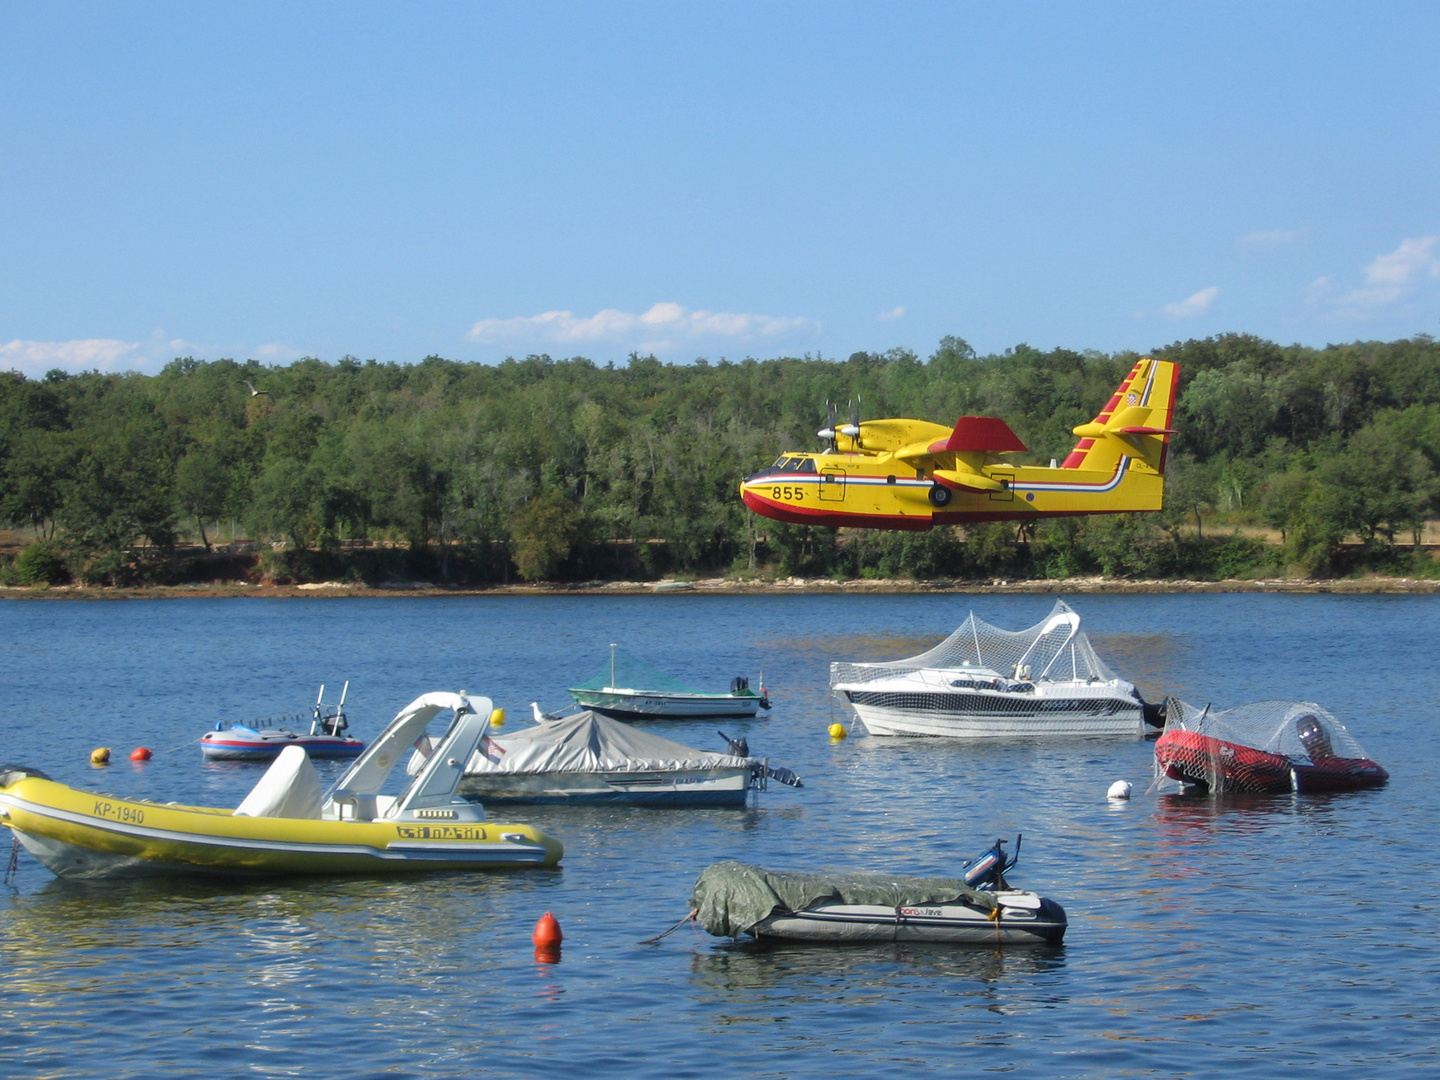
column 629, row 689
column 590, row 758
column 985, row 682
column 1264, row 747
column 733, row 899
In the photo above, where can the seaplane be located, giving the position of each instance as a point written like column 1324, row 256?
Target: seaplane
column 913, row 474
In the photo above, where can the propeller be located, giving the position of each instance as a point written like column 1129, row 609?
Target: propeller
column 853, row 428
column 828, row 431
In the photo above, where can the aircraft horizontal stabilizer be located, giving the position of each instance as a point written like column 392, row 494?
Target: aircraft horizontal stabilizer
column 1135, row 420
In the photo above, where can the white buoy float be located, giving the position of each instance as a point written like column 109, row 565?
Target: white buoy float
column 1120, row 789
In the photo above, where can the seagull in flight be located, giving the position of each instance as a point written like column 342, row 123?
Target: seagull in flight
column 253, row 391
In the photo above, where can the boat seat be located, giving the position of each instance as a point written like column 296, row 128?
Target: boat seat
column 290, row 788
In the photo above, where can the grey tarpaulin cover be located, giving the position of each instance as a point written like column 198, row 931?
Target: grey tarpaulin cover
column 588, row 742
column 731, row 897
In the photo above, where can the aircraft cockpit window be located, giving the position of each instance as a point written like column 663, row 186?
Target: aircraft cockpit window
column 791, row 464
column 807, row 465
column 780, row 462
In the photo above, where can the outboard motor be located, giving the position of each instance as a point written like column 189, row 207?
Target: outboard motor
column 987, row 871
column 739, row 747
column 1313, row 737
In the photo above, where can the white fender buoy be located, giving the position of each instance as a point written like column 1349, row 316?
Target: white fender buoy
column 1120, row 789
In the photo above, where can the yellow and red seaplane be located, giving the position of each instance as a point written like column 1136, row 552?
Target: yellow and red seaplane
column 912, row 474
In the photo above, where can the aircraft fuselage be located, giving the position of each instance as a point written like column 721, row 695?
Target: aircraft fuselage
column 868, row 491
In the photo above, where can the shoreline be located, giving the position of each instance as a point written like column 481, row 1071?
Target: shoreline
column 1372, row 585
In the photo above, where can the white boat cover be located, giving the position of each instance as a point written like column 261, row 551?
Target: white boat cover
column 290, row 788
column 588, row 742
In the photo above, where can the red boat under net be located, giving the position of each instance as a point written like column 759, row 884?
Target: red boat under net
column 1264, row 747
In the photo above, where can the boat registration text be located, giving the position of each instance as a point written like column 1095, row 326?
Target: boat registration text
column 120, row 812
column 440, row 832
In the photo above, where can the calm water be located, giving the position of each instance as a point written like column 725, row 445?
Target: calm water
column 1207, row 938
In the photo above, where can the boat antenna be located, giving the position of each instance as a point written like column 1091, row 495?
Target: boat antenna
column 316, row 722
column 339, row 723
column 612, row 665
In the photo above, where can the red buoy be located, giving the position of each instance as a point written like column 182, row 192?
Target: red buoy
column 140, row 754
column 547, row 938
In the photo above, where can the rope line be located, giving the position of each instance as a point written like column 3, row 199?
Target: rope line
column 690, row 917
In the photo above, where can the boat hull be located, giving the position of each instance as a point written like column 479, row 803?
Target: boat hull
column 1018, row 918
column 694, row 787
column 1208, row 762
column 627, row 705
column 81, row 834
column 938, row 714
column 236, row 745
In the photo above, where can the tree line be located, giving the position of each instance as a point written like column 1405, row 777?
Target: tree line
column 545, row 469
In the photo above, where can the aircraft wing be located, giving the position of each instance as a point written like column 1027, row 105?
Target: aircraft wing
column 959, row 459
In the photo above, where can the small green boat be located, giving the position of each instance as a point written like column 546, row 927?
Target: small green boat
column 630, row 690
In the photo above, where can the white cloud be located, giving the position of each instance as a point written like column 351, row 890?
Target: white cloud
column 34, row 358
column 1390, row 278
column 1198, row 304
column 271, row 353
column 1269, row 239
column 663, row 326
column 897, row 312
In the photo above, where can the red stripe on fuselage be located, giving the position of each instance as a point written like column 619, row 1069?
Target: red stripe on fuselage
column 799, row 515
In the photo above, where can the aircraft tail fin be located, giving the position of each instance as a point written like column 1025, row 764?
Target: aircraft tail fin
column 1135, row 422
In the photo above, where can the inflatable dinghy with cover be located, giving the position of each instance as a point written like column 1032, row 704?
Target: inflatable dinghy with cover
column 732, row 899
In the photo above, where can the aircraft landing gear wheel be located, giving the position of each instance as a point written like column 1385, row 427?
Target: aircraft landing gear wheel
column 940, row 496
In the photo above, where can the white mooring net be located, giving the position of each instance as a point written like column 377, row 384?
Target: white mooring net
column 1051, row 650
column 1301, row 730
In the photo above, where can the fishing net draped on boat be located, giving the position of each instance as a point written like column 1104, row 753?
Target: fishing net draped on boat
column 1053, row 649
column 730, row 897
column 625, row 672
column 1300, row 730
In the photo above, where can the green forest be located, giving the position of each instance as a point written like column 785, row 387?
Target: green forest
column 1289, row 460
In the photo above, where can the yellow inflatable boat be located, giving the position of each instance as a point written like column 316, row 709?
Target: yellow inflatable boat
column 285, row 825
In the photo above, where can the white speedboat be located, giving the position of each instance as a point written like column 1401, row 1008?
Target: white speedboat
column 984, row 682
column 630, row 690
column 589, row 758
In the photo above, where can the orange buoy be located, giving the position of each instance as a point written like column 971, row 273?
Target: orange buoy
column 100, row 756
column 140, row 753
column 547, row 938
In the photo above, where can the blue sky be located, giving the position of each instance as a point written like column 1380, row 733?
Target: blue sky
column 721, row 180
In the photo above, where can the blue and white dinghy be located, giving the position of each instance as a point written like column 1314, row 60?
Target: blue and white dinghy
column 325, row 739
